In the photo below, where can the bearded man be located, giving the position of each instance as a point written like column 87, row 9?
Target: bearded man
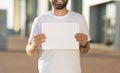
column 62, row 60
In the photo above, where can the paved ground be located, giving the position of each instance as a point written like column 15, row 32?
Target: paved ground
column 100, row 59
column 17, row 62
column 96, row 61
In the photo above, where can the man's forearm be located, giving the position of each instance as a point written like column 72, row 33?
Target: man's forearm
column 32, row 50
column 84, row 49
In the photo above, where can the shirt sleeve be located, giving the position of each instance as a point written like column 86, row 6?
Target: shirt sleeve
column 35, row 29
column 84, row 27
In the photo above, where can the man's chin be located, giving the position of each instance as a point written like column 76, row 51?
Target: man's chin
column 59, row 8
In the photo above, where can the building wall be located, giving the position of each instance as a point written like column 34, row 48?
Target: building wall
column 6, row 21
column 110, row 20
column 8, row 5
column 97, row 13
column 16, row 16
column 117, row 33
column 86, row 7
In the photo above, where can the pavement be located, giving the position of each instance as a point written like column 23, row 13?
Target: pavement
column 100, row 59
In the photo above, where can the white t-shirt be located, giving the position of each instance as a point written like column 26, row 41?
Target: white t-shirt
column 62, row 60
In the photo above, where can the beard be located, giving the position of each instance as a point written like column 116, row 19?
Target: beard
column 59, row 5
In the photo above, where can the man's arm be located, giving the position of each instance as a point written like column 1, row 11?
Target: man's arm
column 84, row 49
column 31, row 49
column 84, row 45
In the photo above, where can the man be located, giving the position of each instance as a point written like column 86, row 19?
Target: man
column 58, row 61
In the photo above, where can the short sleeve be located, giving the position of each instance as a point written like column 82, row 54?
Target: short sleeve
column 35, row 29
column 84, row 27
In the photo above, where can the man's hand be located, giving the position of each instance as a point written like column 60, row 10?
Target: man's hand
column 84, row 44
column 33, row 48
column 81, row 38
column 38, row 39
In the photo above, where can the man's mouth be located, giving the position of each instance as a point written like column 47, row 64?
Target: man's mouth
column 59, row 4
column 59, row 1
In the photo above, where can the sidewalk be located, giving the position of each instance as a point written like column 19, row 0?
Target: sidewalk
column 100, row 59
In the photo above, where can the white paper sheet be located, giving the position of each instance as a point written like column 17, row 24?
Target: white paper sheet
column 60, row 35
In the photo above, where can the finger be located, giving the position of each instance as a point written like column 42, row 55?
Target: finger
column 42, row 36
column 43, row 40
column 81, row 41
column 84, row 39
column 76, row 35
column 84, row 36
column 35, row 41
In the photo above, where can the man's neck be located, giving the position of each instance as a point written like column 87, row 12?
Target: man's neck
column 61, row 12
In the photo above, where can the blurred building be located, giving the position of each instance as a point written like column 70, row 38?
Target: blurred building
column 6, row 20
column 103, row 21
column 26, row 10
column 17, row 16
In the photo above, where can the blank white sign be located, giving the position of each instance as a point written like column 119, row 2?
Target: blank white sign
column 60, row 35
